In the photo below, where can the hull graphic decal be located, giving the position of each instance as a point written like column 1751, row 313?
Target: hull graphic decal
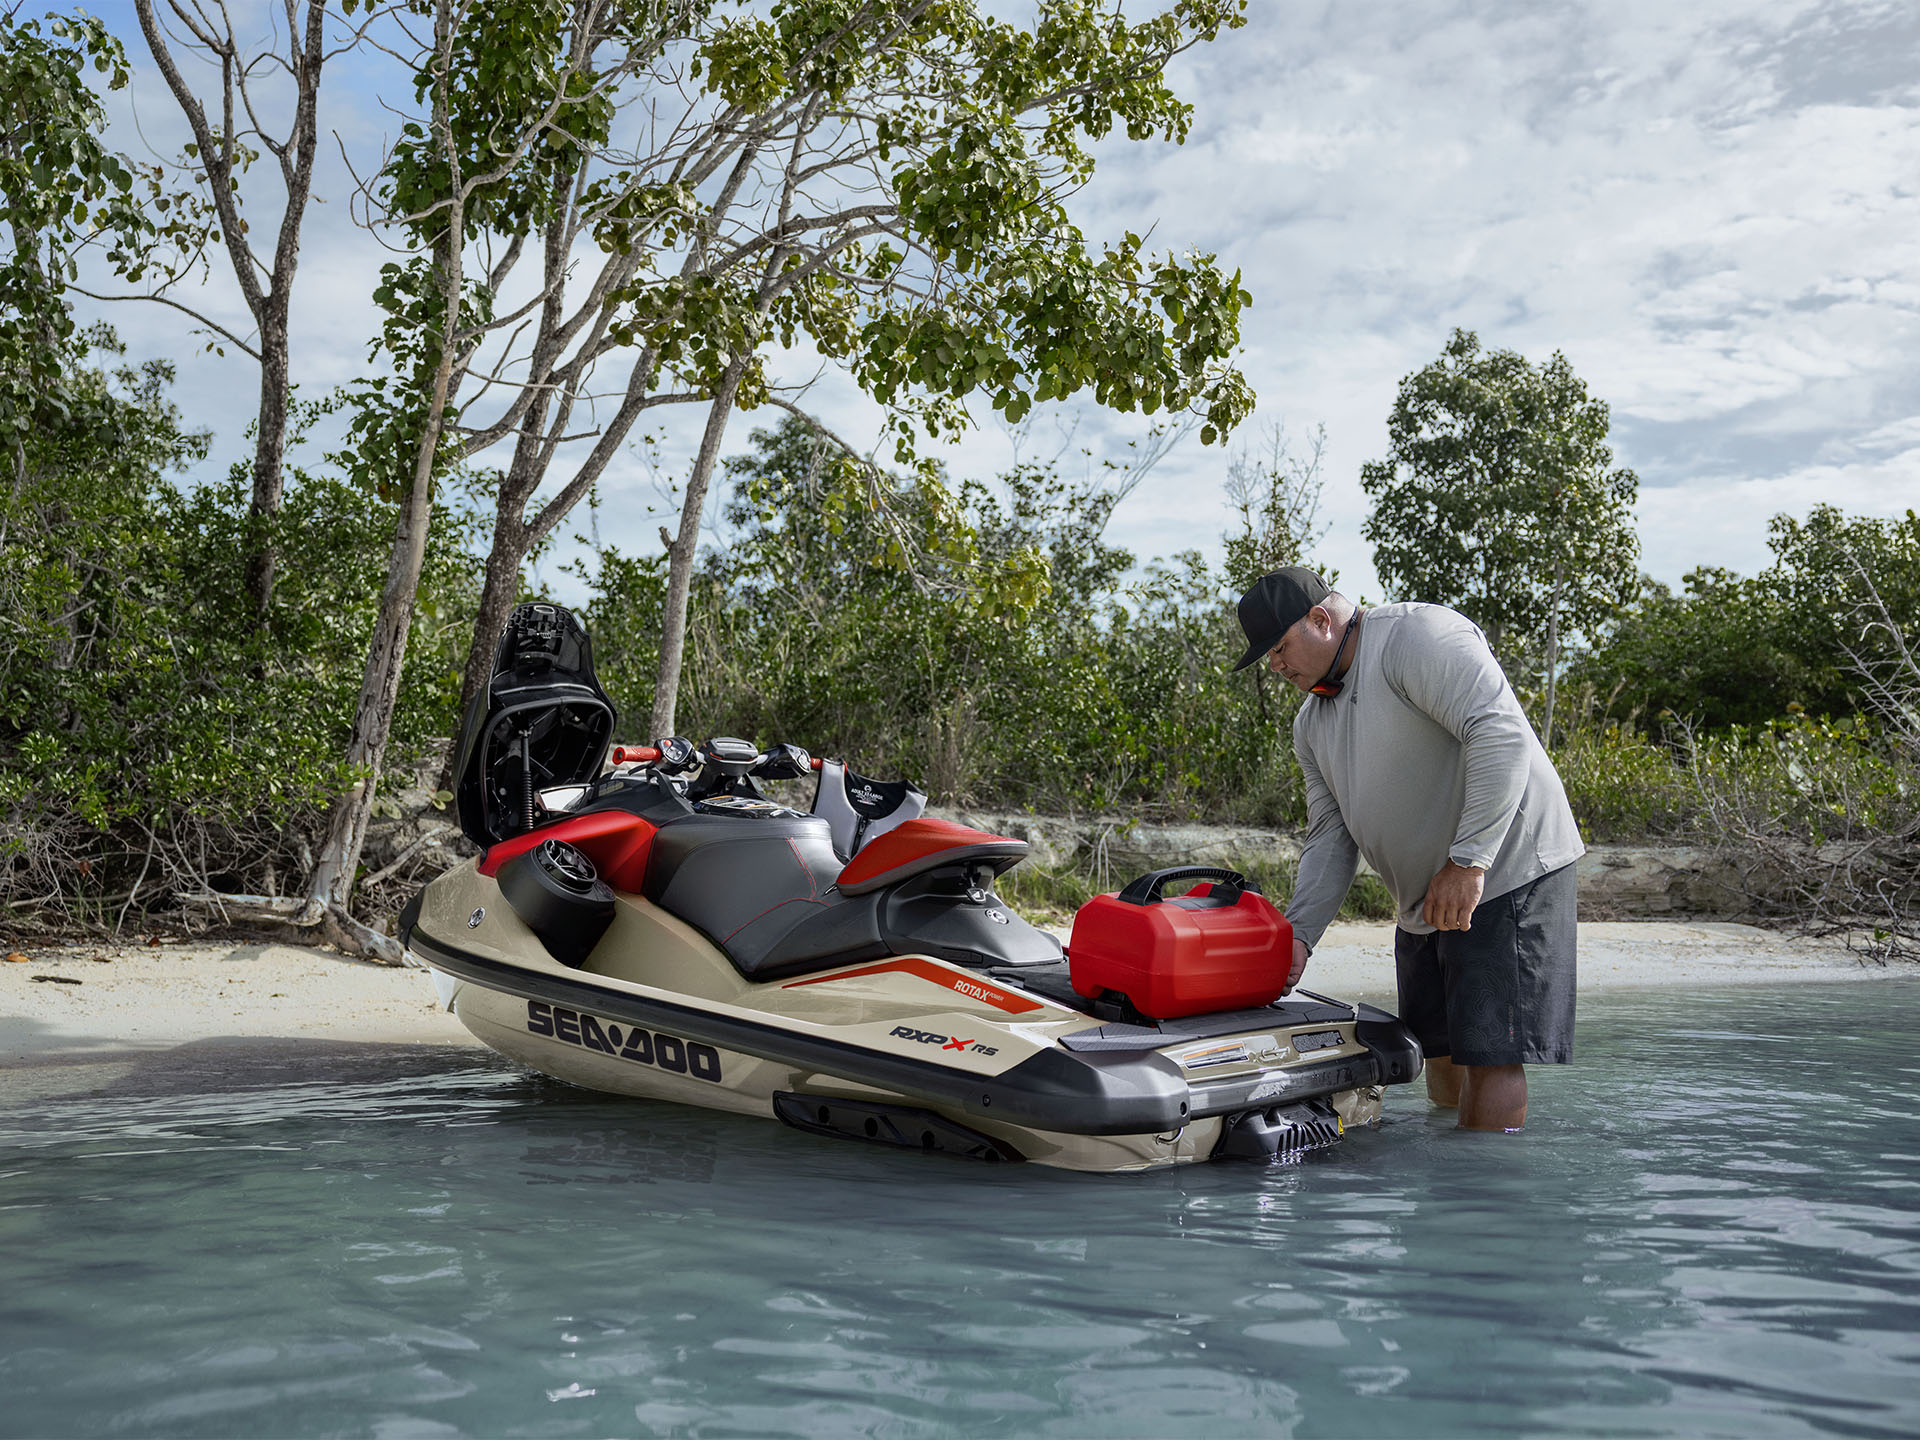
column 973, row 989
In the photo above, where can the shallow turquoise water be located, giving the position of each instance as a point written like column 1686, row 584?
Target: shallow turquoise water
column 1711, row 1228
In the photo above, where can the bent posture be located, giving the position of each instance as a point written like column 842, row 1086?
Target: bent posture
column 1418, row 756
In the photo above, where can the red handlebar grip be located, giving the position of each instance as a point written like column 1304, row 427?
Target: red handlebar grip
column 814, row 763
column 624, row 753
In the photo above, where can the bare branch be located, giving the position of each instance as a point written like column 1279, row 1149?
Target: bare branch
column 215, row 326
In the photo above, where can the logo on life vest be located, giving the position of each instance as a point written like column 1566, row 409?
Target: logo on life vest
column 945, row 1042
column 643, row 1047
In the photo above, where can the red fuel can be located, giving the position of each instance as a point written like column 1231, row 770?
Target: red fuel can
column 1220, row 946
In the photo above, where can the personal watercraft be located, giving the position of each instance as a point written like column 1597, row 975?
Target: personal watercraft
column 662, row 928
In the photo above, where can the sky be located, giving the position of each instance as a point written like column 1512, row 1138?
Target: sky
column 1712, row 208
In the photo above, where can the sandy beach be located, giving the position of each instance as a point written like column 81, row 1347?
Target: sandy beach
column 79, row 1004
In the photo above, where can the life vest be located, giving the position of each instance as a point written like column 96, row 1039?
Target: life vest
column 857, row 809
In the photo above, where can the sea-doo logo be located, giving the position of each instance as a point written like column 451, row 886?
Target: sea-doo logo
column 643, row 1047
column 999, row 917
column 945, row 1042
column 473, row 920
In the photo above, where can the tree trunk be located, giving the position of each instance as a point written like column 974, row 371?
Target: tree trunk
column 497, row 594
column 331, row 884
column 269, row 457
column 330, row 887
column 673, row 625
column 1553, row 648
column 304, row 60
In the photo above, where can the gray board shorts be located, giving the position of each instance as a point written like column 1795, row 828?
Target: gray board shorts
column 1499, row 992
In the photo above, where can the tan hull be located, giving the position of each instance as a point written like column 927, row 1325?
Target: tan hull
column 649, row 958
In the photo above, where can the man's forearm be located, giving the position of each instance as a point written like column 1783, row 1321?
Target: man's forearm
column 1327, row 867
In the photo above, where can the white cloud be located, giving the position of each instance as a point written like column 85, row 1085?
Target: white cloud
column 1708, row 207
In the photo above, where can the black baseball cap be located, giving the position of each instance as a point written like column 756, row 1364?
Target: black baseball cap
column 1274, row 605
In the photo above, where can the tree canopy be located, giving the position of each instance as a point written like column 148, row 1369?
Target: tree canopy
column 1499, row 494
column 1500, row 498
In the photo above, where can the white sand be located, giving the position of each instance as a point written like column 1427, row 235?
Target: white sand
column 1357, row 959
column 145, row 998
column 135, row 998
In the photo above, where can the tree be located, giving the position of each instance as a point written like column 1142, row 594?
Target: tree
column 1500, row 498
column 61, row 192
column 444, row 177
column 885, row 180
column 1848, row 584
column 218, row 155
column 1742, row 650
column 1275, row 495
column 1721, row 651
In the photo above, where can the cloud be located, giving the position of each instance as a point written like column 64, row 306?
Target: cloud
column 1708, row 207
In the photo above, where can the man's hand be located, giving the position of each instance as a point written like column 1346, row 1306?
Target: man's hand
column 1300, row 953
column 1451, row 896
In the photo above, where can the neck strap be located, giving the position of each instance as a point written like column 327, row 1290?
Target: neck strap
column 1327, row 686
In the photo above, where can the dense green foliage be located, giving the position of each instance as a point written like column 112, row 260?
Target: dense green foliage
column 1500, row 498
column 147, row 728
column 160, row 733
column 1107, row 689
column 1734, row 650
column 150, row 732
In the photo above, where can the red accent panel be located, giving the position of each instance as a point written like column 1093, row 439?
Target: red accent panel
column 939, row 974
column 618, row 843
column 917, row 839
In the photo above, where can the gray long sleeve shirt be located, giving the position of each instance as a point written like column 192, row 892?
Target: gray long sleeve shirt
column 1423, row 757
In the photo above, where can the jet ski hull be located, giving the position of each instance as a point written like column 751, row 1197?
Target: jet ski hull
column 909, row 1050
column 671, row 935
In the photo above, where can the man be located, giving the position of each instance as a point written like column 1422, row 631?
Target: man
column 1418, row 756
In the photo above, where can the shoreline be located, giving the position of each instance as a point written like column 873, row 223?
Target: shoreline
column 133, row 1000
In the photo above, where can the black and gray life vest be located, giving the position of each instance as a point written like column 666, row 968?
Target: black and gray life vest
column 858, row 809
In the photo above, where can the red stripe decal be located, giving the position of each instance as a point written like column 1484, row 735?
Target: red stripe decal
column 930, row 970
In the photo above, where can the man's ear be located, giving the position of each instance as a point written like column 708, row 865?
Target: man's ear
column 1322, row 621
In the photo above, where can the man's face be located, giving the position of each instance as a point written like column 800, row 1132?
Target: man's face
column 1305, row 651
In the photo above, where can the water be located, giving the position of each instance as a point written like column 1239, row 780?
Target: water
column 1711, row 1228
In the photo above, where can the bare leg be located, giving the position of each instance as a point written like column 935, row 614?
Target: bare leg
column 1494, row 1097
column 1443, row 1081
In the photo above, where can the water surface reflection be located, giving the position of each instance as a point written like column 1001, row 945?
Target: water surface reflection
column 1710, row 1229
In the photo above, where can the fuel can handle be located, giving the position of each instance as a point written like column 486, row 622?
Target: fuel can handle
column 1146, row 889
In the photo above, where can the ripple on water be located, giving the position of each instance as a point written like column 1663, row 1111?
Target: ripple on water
column 1707, row 1230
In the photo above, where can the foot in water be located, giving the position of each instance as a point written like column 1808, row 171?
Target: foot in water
column 1489, row 1097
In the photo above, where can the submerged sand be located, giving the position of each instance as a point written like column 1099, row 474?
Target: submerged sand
column 130, row 999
